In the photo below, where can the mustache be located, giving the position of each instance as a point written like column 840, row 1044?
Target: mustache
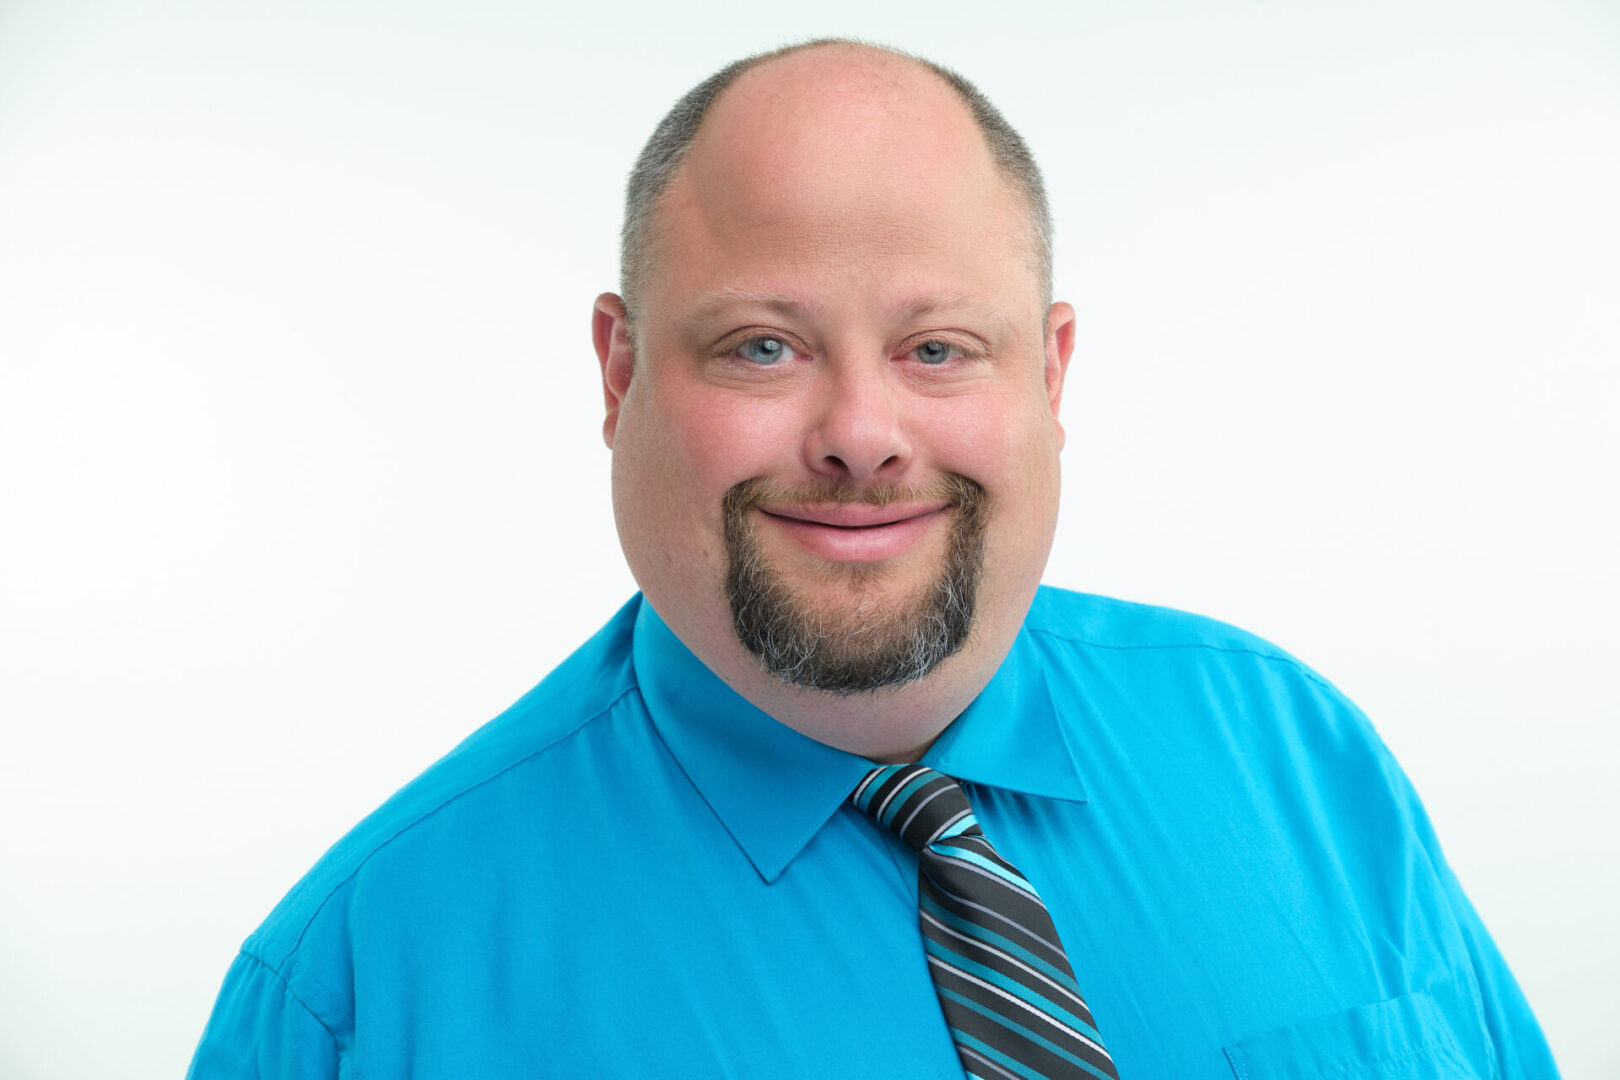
column 953, row 489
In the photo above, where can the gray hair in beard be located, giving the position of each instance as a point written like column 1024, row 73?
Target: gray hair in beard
column 869, row 648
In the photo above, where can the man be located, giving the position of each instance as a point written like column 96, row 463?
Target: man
column 1144, row 845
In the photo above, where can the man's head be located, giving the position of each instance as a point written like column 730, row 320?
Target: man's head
column 834, row 420
column 670, row 140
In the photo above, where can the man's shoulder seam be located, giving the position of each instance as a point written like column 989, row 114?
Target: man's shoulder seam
column 293, row 994
column 337, row 886
column 1235, row 650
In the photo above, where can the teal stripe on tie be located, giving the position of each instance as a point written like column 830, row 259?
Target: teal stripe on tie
column 1003, row 1059
column 1015, row 880
column 1038, row 1002
column 878, row 781
column 969, row 822
column 999, row 943
column 902, row 795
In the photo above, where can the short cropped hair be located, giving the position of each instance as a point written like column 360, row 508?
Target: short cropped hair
column 673, row 136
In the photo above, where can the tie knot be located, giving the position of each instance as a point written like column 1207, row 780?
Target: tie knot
column 917, row 804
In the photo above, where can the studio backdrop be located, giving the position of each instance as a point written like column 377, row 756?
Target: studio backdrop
column 302, row 477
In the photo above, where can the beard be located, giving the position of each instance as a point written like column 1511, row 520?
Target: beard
column 868, row 644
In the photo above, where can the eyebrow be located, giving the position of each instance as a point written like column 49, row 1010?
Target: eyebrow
column 721, row 300
column 928, row 303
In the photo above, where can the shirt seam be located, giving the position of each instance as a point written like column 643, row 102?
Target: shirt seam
column 1230, row 650
column 414, row 822
column 293, row 994
column 1410, row 1055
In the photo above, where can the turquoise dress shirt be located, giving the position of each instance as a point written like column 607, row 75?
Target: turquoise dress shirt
column 635, row 873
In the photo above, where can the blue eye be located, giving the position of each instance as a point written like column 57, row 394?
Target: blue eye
column 933, row 352
column 763, row 350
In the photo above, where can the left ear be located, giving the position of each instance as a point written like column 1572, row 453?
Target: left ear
column 1059, row 347
column 610, row 332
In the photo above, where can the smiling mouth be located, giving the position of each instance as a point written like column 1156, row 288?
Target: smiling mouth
column 855, row 533
column 855, row 517
column 840, row 524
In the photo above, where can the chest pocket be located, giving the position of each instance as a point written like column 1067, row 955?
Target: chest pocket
column 1405, row 1038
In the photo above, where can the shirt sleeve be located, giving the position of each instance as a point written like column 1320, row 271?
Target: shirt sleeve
column 260, row 1030
column 1521, row 1049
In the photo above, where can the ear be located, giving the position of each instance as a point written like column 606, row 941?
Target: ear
column 610, row 329
column 1059, row 347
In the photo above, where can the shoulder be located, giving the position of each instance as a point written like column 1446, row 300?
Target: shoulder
column 533, row 736
column 1204, row 702
column 1155, row 663
column 1101, row 622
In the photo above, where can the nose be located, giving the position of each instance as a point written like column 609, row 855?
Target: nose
column 858, row 432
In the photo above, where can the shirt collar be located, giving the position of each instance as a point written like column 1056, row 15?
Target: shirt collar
column 774, row 788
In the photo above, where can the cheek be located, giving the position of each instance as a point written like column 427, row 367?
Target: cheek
column 1010, row 445
column 720, row 441
column 692, row 447
column 1012, row 449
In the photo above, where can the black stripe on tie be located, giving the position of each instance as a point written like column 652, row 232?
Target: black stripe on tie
column 1050, row 987
column 936, row 805
column 1052, row 1029
column 880, row 801
column 922, row 811
column 976, row 843
column 1012, row 1042
column 1011, row 913
column 981, row 1065
column 1018, row 936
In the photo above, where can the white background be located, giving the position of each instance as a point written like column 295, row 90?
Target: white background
column 301, row 476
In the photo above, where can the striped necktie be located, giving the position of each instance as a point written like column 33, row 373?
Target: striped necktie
column 1004, row 984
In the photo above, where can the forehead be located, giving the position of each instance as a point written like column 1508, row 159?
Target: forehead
column 836, row 110
column 839, row 165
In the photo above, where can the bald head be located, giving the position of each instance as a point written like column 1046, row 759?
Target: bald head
column 826, row 104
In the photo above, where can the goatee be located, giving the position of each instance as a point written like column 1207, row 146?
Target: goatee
column 869, row 645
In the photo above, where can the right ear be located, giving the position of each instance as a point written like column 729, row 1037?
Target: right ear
column 610, row 329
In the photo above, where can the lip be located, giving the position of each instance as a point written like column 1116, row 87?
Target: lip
column 856, row 532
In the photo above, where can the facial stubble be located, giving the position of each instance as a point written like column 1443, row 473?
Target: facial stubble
column 868, row 643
